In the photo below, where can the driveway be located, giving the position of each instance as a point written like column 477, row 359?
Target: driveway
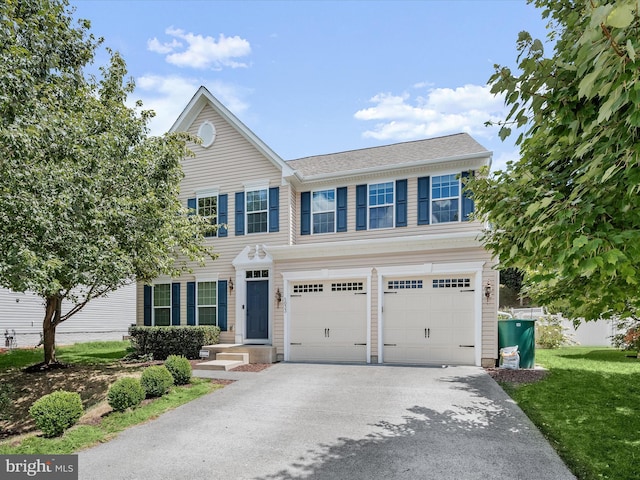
column 303, row 421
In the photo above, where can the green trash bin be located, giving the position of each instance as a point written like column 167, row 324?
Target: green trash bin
column 515, row 331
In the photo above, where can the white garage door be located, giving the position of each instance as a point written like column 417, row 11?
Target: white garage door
column 429, row 320
column 328, row 321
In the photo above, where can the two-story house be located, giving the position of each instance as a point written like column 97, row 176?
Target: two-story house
column 358, row 256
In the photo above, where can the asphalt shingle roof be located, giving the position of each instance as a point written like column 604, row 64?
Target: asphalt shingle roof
column 388, row 155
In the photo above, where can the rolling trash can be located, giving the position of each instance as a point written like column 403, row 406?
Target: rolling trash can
column 522, row 333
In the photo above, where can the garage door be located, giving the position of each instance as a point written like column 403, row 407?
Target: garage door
column 328, row 321
column 429, row 320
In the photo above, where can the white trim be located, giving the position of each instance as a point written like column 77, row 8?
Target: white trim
column 378, row 246
column 207, row 144
column 208, row 192
column 324, row 275
column 432, row 269
column 252, row 257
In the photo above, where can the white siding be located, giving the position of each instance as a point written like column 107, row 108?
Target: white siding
column 106, row 318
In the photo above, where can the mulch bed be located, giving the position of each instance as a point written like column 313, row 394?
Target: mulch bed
column 519, row 376
column 252, row 367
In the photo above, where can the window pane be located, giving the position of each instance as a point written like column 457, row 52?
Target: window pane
column 257, row 222
column 206, row 315
column 162, row 295
column 323, row 222
column 445, row 186
column 381, row 194
column 256, row 200
column 324, row 200
column 162, row 317
column 208, row 207
column 206, row 293
column 381, row 217
column 444, row 211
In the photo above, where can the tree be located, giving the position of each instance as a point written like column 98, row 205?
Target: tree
column 568, row 212
column 88, row 201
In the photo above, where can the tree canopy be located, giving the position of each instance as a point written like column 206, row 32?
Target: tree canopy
column 568, row 212
column 88, row 200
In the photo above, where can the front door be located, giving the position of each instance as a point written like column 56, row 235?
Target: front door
column 258, row 310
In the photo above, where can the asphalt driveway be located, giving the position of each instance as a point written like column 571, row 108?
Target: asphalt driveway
column 299, row 421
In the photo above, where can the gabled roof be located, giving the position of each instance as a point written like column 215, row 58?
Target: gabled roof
column 203, row 97
column 420, row 152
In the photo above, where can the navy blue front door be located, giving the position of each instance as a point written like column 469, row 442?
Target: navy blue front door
column 258, row 310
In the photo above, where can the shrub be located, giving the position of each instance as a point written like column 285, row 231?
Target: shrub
column 550, row 333
column 160, row 342
column 125, row 393
column 56, row 412
column 156, row 380
column 180, row 369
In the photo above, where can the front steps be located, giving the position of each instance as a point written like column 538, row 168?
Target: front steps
column 227, row 356
column 224, row 361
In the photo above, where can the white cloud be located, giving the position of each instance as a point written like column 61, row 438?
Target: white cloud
column 500, row 160
column 154, row 45
column 201, row 52
column 168, row 95
column 441, row 111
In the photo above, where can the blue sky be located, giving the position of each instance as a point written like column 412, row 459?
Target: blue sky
column 315, row 77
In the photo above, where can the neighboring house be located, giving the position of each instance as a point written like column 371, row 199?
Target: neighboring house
column 105, row 318
column 358, row 256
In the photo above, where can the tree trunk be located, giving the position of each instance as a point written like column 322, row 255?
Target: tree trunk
column 53, row 312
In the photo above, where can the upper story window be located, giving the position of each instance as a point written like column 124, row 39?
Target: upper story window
column 208, row 208
column 445, row 198
column 257, row 211
column 207, row 303
column 162, row 305
column 381, row 205
column 323, row 207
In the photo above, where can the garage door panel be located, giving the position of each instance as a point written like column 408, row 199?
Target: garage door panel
column 328, row 321
column 427, row 319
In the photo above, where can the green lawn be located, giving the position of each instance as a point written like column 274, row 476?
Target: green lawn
column 90, row 353
column 589, row 408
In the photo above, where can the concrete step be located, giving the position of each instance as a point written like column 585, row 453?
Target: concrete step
column 239, row 356
column 257, row 353
column 219, row 365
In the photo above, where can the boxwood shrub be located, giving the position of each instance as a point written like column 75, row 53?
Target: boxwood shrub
column 160, row 342
column 125, row 393
column 180, row 369
column 56, row 412
column 156, row 380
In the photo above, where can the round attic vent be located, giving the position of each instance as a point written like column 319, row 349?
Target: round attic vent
column 207, row 132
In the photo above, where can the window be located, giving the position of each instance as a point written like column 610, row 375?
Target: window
column 347, row 287
column 404, row 284
column 381, row 205
column 257, row 274
column 162, row 305
column 323, row 206
column 208, row 208
column 445, row 198
column 452, row 283
column 207, row 303
column 308, row 288
column 257, row 211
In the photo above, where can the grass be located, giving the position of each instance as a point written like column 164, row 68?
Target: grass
column 92, row 368
column 90, row 353
column 588, row 409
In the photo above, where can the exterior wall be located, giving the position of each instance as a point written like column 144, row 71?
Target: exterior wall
column 106, row 318
column 228, row 165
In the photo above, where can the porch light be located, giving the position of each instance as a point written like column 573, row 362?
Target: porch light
column 278, row 296
column 230, row 284
column 487, row 290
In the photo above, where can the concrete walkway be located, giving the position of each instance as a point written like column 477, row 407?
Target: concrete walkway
column 299, row 421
